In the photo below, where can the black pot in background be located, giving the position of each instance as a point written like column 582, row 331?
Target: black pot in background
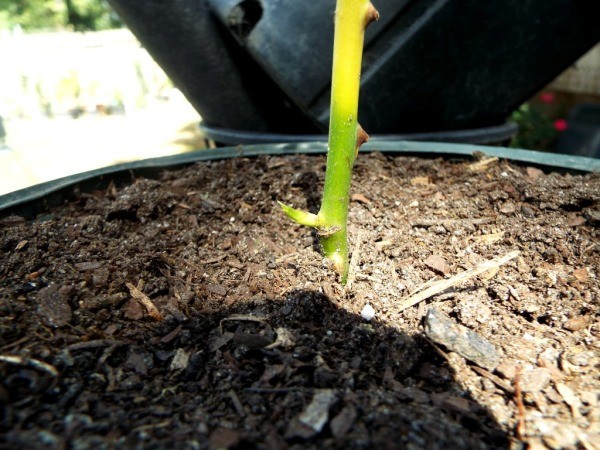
column 582, row 137
column 264, row 65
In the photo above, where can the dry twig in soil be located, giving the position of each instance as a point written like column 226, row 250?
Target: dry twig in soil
column 137, row 294
column 442, row 285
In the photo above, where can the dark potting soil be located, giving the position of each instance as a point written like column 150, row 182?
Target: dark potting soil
column 188, row 312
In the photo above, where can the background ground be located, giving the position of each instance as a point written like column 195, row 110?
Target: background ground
column 73, row 102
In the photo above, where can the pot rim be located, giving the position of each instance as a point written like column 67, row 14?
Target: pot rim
column 485, row 135
column 34, row 199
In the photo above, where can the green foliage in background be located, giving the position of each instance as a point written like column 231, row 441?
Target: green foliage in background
column 536, row 129
column 78, row 15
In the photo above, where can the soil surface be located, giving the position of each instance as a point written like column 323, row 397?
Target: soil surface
column 188, row 312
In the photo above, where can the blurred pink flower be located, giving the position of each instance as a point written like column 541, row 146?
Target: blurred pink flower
column 547, row 97
column 560, row 125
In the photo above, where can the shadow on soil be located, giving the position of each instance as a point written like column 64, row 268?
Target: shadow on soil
column 297, row 372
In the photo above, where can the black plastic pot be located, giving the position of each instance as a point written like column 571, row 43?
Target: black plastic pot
column 37, row 199
column 429, row 65
column 583, row 133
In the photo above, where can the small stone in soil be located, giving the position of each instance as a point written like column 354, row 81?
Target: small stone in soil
column 534, row 173
column 508, row 208
column 217, row 289
column 341, row 424
column 577, row 323
column 527, row 211
column 367, row 312
column 558, row 435
column 438, row 264
column 506, row 370
column 137, row 363
column 316, row 414
column 468, row 344
column 535, row 380
column 224, row 438
column 180, row 360
column 593, row 216
column 54, row 307
column 89, row 265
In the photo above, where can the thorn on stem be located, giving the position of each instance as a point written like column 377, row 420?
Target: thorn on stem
column 361, row 138
column 371, row 15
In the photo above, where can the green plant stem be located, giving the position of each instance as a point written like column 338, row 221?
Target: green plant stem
column 351, row 19
column 345, row 135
